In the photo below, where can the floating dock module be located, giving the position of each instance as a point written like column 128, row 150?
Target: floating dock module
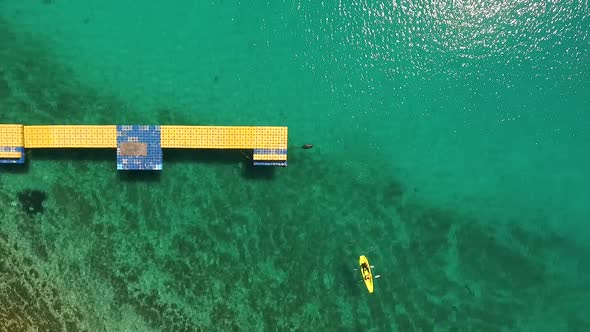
column 70, row 137
column 224, row 137
column 269, row 143
column 270, row 157
column 12, row 149
column 138, row 148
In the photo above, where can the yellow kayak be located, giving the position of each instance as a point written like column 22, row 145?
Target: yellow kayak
column 365, row 268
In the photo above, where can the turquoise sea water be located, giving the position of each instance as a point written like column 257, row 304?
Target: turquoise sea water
column 450, row 141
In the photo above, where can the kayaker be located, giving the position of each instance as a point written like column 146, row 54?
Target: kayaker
column 365, row 267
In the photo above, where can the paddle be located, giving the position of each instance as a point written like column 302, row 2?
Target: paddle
column 372, row 266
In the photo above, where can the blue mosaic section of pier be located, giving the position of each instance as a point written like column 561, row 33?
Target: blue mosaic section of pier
column 149, row 135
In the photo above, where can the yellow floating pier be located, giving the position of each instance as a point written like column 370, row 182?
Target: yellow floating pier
column 70, row 137
column 139, row 147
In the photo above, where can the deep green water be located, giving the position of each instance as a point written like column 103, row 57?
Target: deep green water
column 451, row 147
